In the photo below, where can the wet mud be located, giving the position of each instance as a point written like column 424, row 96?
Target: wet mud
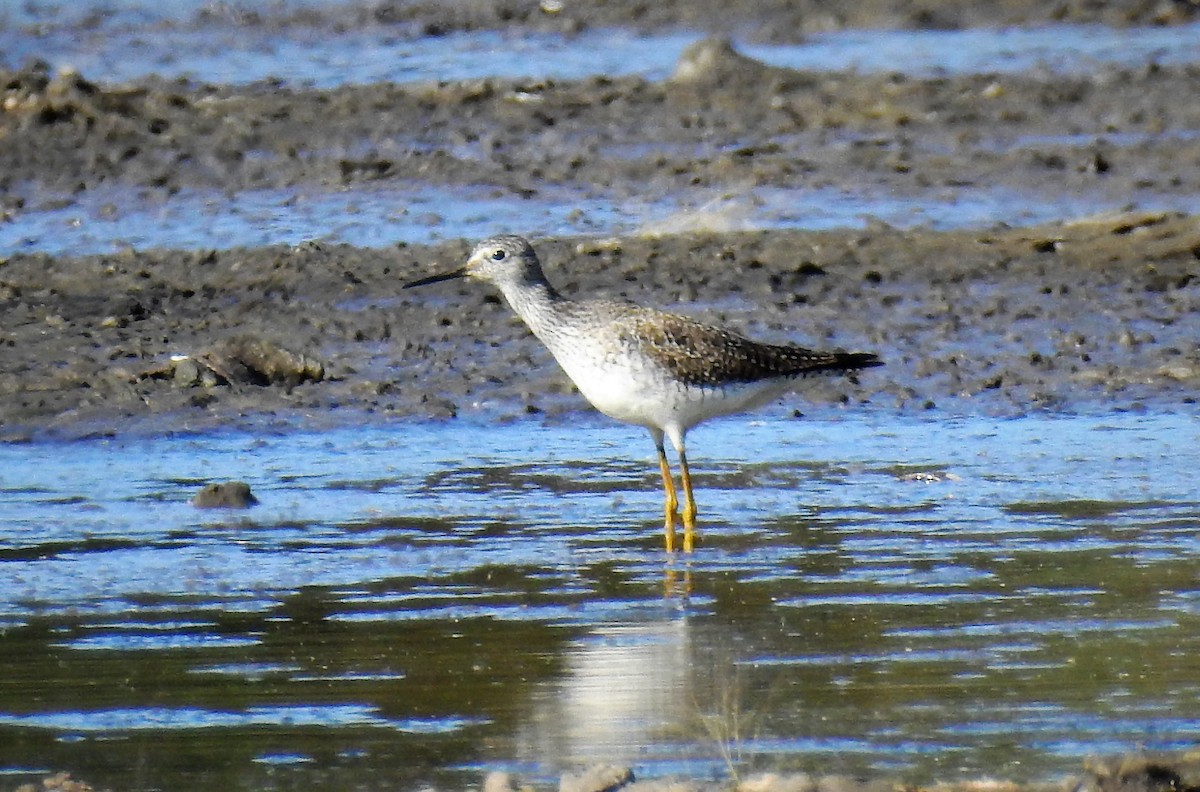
column 763, row 18
column 1093, row 314
column 1083, row 313
column 1179, row 772
column 723, row 120
column 1080, row 313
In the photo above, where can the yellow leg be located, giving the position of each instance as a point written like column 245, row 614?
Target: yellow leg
column 671, row 502
column 689, row 505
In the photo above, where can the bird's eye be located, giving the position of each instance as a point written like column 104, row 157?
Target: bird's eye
column 498, row 255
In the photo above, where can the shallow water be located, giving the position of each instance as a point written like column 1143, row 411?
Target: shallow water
column 131, row 43
column 425, row 602
column 110, row 219
column 131, row 40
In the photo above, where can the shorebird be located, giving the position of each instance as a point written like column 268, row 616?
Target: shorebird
column 644, row 366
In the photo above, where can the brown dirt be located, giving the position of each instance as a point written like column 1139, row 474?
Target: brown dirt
column 1097, row 314
column 1092, row 313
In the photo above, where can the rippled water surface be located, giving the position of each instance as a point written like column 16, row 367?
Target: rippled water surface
column 425, row 602
column 107, row 220
column 141, row 40
column 111, row 219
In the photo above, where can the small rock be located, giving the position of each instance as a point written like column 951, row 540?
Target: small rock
column 670, row 785
column 1139, row 773
column 226, row 495
column 775, row 782
column 187, row 373
column 257, row 361
column 715, row 61
column 499, row 781
column 60, row 782
column 929, row 477
column 594, row 247
column 843, row 783
column 597, row 778
column 1180, row 372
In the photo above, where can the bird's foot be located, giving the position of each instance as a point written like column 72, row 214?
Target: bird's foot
column 672, row 519
column 689, row 529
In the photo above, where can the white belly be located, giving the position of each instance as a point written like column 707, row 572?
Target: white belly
column 642, row 394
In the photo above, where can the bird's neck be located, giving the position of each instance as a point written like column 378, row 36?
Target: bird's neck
column 535, row 301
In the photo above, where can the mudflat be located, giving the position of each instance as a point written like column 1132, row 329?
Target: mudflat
column 1086, row 310
column 1081, row 312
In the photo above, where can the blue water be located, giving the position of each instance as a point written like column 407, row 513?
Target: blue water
column 131, row 46
column 413, row 605
column 965, row 597
column 115, row 218
column 221, row 44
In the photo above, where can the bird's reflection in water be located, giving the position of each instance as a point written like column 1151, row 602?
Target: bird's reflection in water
column 624, row 688
column 677, row 582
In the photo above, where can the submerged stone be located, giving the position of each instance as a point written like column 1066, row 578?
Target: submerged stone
column 225, row 495
column 597, row 778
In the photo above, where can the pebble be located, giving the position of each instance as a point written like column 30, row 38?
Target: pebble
column 226, row 495
column 597, row 778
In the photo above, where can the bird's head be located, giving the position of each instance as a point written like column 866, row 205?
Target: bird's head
column 500, row 260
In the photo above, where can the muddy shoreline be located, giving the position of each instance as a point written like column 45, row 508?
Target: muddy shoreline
column 1088, row 313
column 724, row 122
column 1179, row 772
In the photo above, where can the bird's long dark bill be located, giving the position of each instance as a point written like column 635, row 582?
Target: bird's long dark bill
column 445, row 276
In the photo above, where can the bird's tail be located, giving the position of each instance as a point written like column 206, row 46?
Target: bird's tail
column 853, row 361
column 837, row 362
